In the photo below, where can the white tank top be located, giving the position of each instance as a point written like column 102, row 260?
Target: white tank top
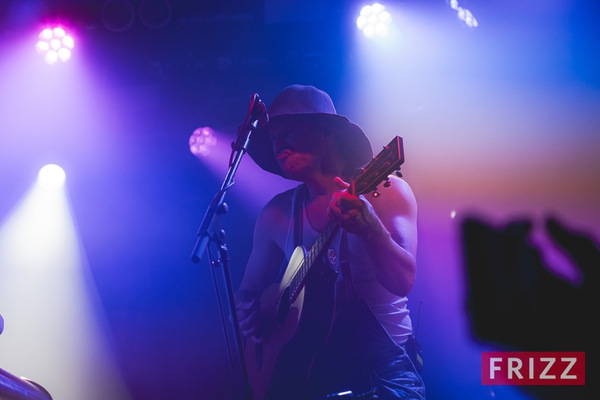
column 389, row 309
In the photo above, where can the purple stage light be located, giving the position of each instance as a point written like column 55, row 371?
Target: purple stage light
column 202, row 141
column 55, row 44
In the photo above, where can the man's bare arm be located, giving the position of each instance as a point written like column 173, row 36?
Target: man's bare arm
column 261, row 271
column 387, row 226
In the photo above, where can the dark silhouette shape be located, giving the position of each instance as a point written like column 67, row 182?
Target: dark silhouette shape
column 516, row 303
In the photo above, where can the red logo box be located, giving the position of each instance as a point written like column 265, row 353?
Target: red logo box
column 533, row 368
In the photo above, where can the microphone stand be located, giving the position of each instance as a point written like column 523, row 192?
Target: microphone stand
column 210, row 232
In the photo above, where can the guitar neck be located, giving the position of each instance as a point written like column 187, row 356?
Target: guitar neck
column 315, row 252
column 386, row 162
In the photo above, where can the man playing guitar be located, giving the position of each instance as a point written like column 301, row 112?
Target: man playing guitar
column 371, row 261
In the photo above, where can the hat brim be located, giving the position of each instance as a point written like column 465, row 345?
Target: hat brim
column 354, row 144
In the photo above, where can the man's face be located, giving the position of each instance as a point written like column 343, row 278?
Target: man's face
column 297, row 147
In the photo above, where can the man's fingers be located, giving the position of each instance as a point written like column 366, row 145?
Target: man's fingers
column 341, row 183
column 349, row 201
column 246, row 312
column 250, row 320
column 252, row 328
column 334, row 207
column 245, row 305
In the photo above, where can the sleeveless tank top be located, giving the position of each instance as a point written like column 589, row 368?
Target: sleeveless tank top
column 390, row 310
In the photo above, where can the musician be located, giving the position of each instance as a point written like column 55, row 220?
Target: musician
column 373, row 255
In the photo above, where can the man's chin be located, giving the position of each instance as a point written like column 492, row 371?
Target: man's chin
column 292, row 175
column 296, row 171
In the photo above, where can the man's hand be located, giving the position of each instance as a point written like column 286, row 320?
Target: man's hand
column 251, row 320
column 354, row 213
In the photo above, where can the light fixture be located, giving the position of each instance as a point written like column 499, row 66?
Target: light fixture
column 374, row 21
column 202, row 141
column 54, row 44
column 464, row 14
column 51, row 176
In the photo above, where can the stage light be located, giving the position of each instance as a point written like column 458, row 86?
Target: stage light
column 54, row 44
column 46, row 286
column 250, row 183
column 51, row 176
column 374, row 21
column 464, row 14
column 202, row 141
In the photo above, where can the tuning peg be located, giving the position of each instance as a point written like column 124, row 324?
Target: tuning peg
column 387, row 183
column 399, row 174
column 376, row 193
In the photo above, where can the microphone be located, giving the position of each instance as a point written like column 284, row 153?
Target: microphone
column 256, row 117
column 259, row 111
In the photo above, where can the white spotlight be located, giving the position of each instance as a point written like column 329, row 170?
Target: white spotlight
column 374, row 21
column 51, row 176
column 464, row 14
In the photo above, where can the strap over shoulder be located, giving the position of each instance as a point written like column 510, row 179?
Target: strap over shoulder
column 300, row 195
column 350, row 291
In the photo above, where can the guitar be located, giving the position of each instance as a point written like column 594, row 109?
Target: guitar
column 299, row 310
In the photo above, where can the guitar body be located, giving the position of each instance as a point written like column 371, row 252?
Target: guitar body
column 278, row 368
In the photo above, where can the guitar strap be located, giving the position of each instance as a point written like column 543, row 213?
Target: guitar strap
column 299, row 200
column 349, row 290
column 339, row 350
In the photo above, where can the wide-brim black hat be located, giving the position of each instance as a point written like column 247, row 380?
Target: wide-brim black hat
column 299, row 102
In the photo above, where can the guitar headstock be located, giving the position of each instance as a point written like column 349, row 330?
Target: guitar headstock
column 381, row 166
